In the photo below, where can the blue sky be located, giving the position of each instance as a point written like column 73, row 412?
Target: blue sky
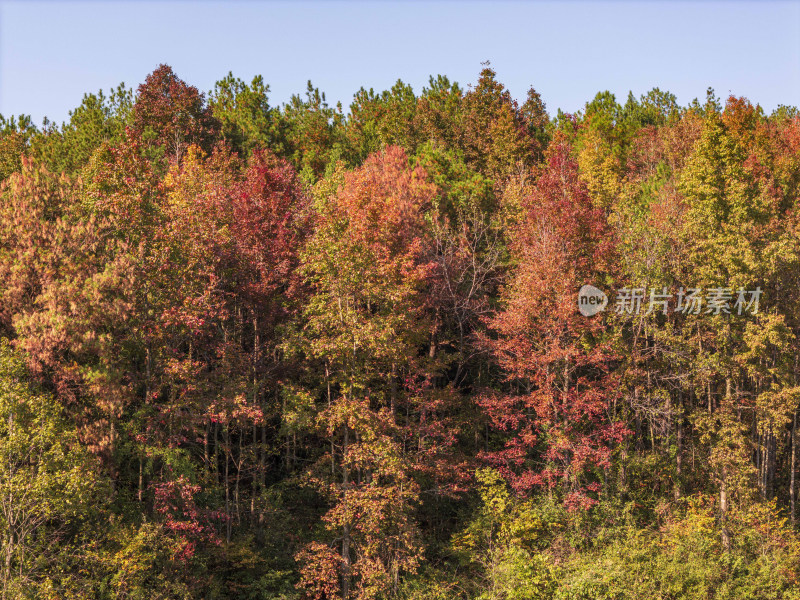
column 53, row 52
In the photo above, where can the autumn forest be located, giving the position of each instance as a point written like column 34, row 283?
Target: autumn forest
column 307, row 352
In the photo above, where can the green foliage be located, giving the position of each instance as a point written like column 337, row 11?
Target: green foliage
column 379, row 120
column 507, row 541
column 48, row 482
column 248, row 121
column 685, row 559
column 98, row 120
column 464, row 191
column 314, row 134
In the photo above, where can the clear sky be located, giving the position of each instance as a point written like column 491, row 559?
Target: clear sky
column 53, row 52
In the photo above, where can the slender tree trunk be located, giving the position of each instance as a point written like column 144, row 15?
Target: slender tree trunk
column 679, row 447
column 254, row 483
column 759, row 461
column 723, row 507
column 346, row 527
column 333, row 446
column 226, row 439
column 140, row 494
column 216, row 451
column 111, row 446
column 7, row 566
column 393, row 391
column 207, row 444
column 287, row 438
column 710, row 399
column 256, row 449
column 262, row 469
column 773, row 454
column 147, row 394
column 793, row 459
column 238, row 465
column 650, row 403
column 723, row 488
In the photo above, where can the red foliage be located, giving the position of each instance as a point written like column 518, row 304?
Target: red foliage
column 554, row 419
column 191, row 525
column 269, row 218
column 319, row 577
column 171, row 113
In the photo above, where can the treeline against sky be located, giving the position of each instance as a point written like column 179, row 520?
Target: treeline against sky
column 296, row 353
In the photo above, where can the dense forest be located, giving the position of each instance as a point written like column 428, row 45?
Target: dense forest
column 297, row 352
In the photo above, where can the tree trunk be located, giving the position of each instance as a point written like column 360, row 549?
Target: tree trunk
column 346, row 527
column 207, row 445
column 333, row 447
column 238, row 465
column 256, row 475
column 723, row 507
column 141, row 477
column 254, row 483
column 147, row 394
column 7, row 565
column 679, row 447
column 393, row 391
column 262, row 470
column 226, row 439
column 792, row 483
column 723, row 488
column 216, row 452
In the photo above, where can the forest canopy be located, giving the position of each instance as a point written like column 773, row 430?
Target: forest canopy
column 301, row 353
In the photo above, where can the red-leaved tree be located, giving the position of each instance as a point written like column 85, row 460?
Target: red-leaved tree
column 552, row 416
